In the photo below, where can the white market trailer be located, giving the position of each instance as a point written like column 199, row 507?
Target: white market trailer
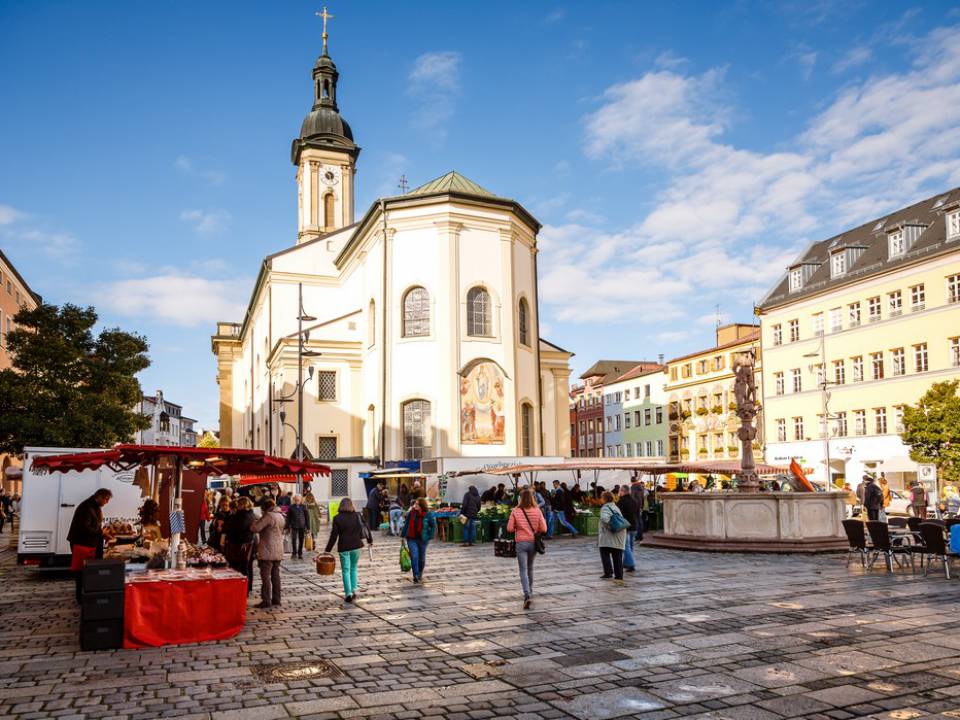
column 49, row 500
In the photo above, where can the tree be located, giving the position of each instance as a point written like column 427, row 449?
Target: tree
column 208, row 440
column 932, row 429
column 68, row 388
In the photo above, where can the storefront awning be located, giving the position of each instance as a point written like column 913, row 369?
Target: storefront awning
column 897, row 464
column 204, row 461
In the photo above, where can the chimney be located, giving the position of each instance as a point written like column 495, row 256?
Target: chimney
column 660, row 359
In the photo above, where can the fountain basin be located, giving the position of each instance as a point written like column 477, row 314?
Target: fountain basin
column 752, row 522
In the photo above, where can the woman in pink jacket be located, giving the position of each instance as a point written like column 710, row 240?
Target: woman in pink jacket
column 525, row 522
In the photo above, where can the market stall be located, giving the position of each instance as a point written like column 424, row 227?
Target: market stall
column 172, row 591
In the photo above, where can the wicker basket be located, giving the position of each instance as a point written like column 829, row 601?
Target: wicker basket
column 326, row 564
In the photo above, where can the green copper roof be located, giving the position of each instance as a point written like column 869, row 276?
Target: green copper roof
column 452, row 182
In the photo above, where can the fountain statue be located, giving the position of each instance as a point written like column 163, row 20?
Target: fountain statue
column 745, row 392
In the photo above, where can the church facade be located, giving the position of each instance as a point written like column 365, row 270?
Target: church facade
column 421, row 318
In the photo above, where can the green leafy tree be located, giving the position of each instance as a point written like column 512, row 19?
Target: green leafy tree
column 208, row 440
column 68, row 388
column 932, row 429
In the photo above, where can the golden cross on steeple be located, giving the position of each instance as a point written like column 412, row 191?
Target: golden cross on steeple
column 326, row 16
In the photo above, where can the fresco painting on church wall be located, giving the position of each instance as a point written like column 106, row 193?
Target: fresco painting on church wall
column 481, row 406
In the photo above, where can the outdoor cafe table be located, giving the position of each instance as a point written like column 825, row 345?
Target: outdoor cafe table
column 175, row 607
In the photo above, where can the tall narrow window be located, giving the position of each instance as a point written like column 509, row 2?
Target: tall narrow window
column 416, row 430
column 314, row 195
column 478, row 312
column 328, row 209
column 526, row 429
column 416, row 313
column 523, row 321
column 372, row 324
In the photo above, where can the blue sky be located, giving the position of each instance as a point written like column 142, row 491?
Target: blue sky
column 678, row 154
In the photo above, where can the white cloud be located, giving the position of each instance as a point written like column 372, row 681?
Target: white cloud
column 214, row 178
column 729, row 219
column 854, row 57
column 55, row 245
column 206, row 222
column 10, row 215
column 185, row 300
column 555, row 16
column 435, row 82
column 669, row 60
column 807, row 61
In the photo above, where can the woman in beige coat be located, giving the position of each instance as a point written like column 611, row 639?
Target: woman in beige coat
column 269, row 553
column 611, row 542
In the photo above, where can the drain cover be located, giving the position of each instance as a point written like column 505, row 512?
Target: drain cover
column 296, row 671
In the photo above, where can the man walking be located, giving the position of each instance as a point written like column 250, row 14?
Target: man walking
column 628, row 507
column 562, row 502
column 872, row 498
column 470, row 509
column 918, row 499
column 638, row 492
column 269, row 553
column 373, row 507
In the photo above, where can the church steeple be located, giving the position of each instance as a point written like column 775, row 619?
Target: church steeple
column 325, row 155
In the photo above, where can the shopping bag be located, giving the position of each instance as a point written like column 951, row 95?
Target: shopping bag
column 308, row 543
column 405, row 563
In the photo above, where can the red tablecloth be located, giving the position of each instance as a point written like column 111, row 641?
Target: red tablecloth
column 175, row 612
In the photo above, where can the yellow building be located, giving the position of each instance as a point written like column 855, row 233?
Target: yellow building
column 699, row 391
column 863, row 323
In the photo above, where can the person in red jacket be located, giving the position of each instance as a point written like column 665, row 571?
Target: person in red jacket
column 205, row 516
column 526, row 521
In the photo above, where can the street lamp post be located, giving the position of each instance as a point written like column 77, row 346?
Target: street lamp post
column 302, row 337
column 824, row 401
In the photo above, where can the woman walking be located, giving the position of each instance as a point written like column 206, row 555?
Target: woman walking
column 349, row 531
column 419, row 528
column 269, row 553
column 525, row 522
column 217, row 524
column 297, row 523
column 313, row 515
column 240, row 542
column 612, row 538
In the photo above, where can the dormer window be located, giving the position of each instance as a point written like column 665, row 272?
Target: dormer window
column 953, row 225
column 796, row 280
column 895, row 243
column 838, row 265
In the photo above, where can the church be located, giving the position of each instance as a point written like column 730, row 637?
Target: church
column 420, row 321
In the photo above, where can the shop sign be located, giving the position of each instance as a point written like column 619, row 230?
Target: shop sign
column 927, row 473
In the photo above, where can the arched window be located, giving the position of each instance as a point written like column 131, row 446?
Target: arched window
column 372, row 324
column 523, row 321
column 478, row 312
column 526, row 429
column 416, row 312
column 328, row 212
column 416, row 430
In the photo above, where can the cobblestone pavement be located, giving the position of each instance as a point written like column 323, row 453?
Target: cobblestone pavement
column 738, row 637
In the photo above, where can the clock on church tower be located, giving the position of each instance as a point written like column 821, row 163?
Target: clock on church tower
column 325, row 156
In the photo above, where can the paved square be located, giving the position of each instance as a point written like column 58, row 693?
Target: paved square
column 689, row 635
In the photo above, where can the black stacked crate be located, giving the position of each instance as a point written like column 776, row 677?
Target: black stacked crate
column 101, row 606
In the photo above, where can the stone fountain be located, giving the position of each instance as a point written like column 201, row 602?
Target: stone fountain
column 747, row 519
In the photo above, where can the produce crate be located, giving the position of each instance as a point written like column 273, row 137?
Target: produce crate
column 456, row 531
column 591, row 525
column 580, row 522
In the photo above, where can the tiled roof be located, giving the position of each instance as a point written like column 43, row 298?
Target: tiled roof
column 751, row 337
column 452, row 182
column 874, row 259
column 612, row 369
column 641, row 370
